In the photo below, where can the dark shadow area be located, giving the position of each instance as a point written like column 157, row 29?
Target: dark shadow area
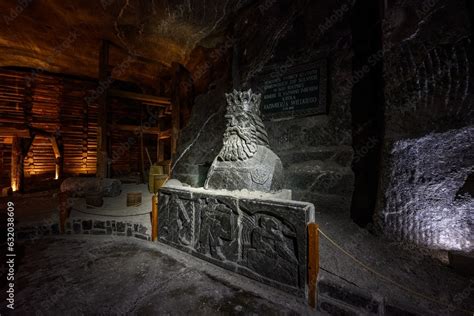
column 366, row 108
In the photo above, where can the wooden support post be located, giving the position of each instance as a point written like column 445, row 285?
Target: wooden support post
column 1, row 160
column 154, row 217
column 157, row 148
column 64, row 208
column 142, row 155
column 102, row 157
column 161, row 144
column 313, row 263
column 57, row 156
column 16, row 164
column 175, row 107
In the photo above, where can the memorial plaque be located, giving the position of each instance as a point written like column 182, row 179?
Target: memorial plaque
column 295, row 91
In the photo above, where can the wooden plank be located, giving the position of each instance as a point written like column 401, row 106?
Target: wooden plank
column 15, row 132
column 154, row 217
column 16, row 164
column 313, row 263
column 146, row 98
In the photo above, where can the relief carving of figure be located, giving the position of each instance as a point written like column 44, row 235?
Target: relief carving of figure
column 272, row 244
column 217, row 233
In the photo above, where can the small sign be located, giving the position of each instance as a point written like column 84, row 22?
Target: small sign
column 295, row 91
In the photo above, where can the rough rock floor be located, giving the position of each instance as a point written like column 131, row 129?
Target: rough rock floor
column 98, row 275
column 422, row 271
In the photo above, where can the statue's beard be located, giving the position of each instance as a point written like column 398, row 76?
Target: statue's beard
column 239, row 144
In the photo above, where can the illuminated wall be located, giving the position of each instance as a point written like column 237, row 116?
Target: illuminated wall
column 422, row 200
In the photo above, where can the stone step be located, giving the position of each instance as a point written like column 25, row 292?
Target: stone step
column 326, row 203
column 341, row 155
column 320, row 177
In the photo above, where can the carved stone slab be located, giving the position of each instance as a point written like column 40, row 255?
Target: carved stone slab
column 264, row 239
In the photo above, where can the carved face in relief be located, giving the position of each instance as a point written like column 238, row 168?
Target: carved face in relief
column 239, row 138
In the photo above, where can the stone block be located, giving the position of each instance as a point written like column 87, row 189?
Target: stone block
column 142, row 230
column 99, row 224
column 140, row 236
column 87, row 225
column 261, row 238
column 120, row 227
column 346, row 295
column 55, row 229
column 77, row 228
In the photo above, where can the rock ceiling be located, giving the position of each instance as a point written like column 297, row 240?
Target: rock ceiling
column 65, row 36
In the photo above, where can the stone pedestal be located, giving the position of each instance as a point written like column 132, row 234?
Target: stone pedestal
column 260, row 237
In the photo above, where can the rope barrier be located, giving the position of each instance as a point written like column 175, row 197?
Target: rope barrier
column 390, row 280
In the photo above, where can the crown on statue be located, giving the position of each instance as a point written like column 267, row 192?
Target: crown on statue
column 243, row 101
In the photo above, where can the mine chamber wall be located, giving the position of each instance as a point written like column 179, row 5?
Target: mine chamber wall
column 428, row 147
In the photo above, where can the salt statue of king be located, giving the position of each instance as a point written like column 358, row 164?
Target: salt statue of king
column 245, row 160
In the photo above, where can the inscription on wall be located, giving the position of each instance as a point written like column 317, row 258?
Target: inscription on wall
column 296, row 91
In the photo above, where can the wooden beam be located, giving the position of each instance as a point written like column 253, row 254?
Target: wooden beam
column 7, row 140
column 137, row 57
column 54, row 143
column 15, row 132
column 154, row 217
column 145, row 98
column 175, row 108
column 102, row 157
column 313, row 263
column 146, row 130
column 142, row 155
column 58, row 158
column 16, row 164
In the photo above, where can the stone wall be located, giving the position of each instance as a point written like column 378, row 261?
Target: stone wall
column 429, row 107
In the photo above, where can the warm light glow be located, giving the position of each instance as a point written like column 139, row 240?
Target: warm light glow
column 14, row 184
column 56, row 177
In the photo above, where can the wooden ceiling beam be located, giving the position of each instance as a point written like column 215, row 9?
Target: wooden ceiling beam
column 11, row 131
column 145, row 130
column 145, row 98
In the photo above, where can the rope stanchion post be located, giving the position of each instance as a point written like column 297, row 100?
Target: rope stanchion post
column 313, row 263
column 154, row 217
